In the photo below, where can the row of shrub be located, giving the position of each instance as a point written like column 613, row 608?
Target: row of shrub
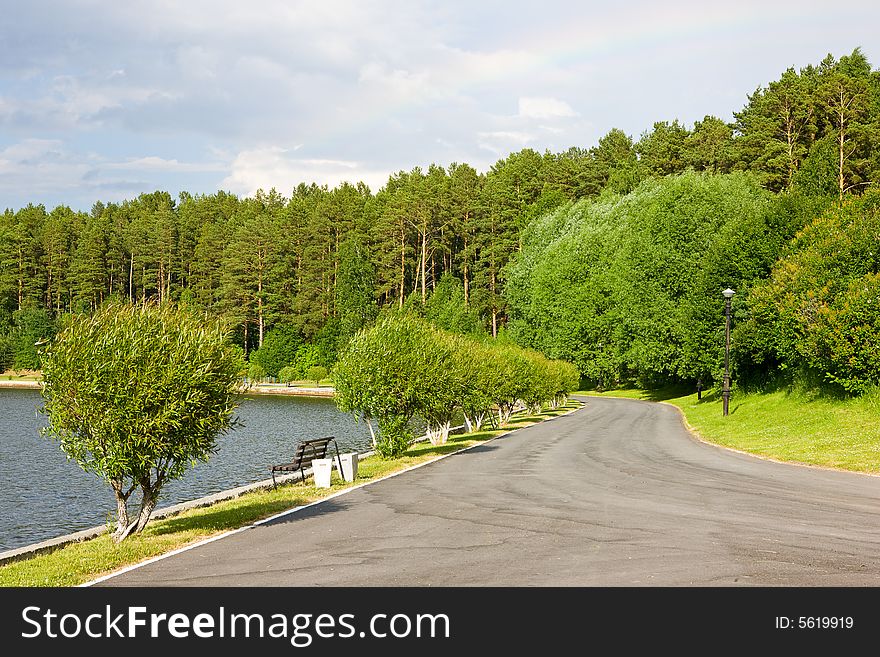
column 402, row 367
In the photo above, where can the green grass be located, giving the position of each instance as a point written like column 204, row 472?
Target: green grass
column 21, row 375
column 795, row 426
column 82, row 562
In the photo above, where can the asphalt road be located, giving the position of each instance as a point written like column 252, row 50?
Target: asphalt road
column 617, row 494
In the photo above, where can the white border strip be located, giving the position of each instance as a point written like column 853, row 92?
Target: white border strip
column 297, row 509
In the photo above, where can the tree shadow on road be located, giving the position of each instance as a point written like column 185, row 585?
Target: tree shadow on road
column 325, row 507
column 223, row 518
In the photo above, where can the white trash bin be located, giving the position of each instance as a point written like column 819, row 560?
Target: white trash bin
column 349, row 462
column 322, row 468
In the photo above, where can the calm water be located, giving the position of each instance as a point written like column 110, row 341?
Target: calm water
column 43, row 495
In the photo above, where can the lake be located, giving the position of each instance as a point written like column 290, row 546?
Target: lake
column 43, row 495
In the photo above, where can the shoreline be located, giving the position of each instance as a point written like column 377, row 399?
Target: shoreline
column 282, row 389
column 21, row 384
column 54, row 543
column 270, row 389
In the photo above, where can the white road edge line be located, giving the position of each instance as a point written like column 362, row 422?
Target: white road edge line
column 297, row 509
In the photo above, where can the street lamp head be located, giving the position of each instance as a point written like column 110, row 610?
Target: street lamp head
column 728, row 293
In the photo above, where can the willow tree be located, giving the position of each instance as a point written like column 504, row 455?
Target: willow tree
column 380, row 375
column 136, row 394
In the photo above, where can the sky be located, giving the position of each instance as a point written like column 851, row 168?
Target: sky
column 104, row 100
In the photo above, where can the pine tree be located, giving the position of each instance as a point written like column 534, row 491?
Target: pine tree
column 355, row 288
column 845, row 100
column 88, row 268
column 661, row 151
column 57, row 238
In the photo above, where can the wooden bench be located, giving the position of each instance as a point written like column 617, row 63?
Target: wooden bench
column 305, row 453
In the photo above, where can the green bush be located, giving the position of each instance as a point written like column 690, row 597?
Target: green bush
column 279, row 349
column 846, row 337
column 32, row 328
column 256, row 372
column 316, row 373
column 818, row 309
column 6, row 354
column 306, row 356
column 396, row 436
column 288, row 374
column 476, row 363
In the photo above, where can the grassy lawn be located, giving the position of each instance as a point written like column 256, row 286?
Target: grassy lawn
column 82, row 562
column 786, row 425
column 20, row 375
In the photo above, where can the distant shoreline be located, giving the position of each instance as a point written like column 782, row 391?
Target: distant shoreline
column 293, row 391
column 28, row 384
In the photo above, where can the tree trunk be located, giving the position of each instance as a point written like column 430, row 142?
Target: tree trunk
column 466, row 286
column 438, row 434
column 494, row 311
column 121, row 510
column 148, row 504
column 841, row 139
column 789, row 138
column 372, row 433
column 49, row 286
column 260, row 310
column 424, row 260
column 160, row 278
column 20, row 277
column 402, row 263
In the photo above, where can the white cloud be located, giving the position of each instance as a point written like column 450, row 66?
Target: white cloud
column 155, row 87
column 398, row 85
column 502, row 142
column 47, row 171
column 544, row 108
column 265, row 168
column 154, row 163
column 40, row 165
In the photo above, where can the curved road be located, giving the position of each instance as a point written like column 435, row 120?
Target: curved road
column 617, row 493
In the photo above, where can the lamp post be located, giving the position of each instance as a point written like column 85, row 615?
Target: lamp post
column 725, row 389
